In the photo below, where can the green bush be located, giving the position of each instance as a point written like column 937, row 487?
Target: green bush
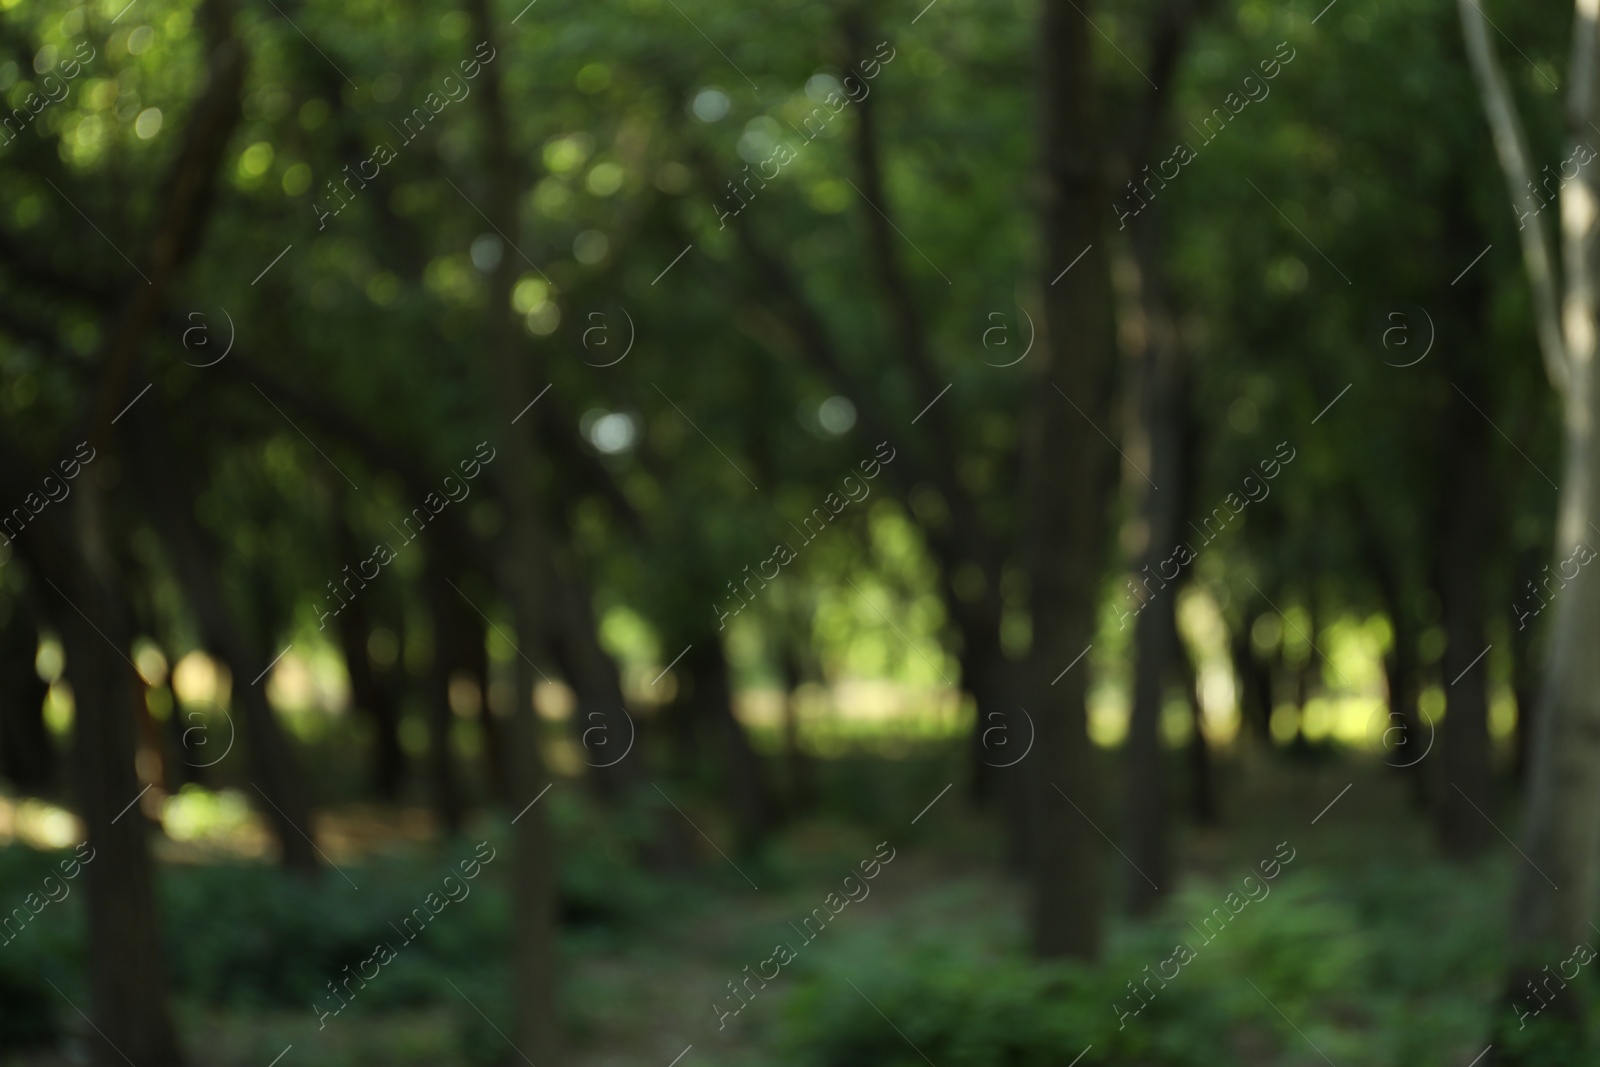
column 1343, row 965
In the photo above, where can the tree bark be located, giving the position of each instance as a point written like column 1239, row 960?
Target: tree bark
column 1156, row 645
column 1561, row 831
column 524, row 572
column 127, row 986
column 1068, row 475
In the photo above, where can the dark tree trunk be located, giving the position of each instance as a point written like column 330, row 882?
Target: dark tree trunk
column 1524, row 672
column 1164, row 425
column 525, row 574
column 353, row 630
column 1202, row 777
column 800, row 772
column 445, row 605
column 1405, row 738
column 1308, row 672
column 127, row 987
column 983, row 673
column 1466, row 801
column 743, row 776
column 1148, row 829
column 1254, row 681
column 1068, row 476
column 1404, row 741
column 1468, row 543
column 27, row 753
column 475, row 661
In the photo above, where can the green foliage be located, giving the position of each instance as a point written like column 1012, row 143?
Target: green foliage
column 48, row 947
column 1343, row 958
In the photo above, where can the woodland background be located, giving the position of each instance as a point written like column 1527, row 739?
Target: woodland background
column 684, row 451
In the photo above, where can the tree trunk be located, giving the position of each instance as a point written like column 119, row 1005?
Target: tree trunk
column 740, row 764
column 1148, row 829
column 27, row 754
column 1253, row 681
column 475, row 660
column 1202, row 777
column 1405, row 739
column 525, row 575
column 1556, row 889
column 984, row 671
column 1524, row 675
column 1068, row 477
column 445, row 606
column 1156, row 646
column 353, row 630
column 1164, row 430
column 800, row 772
column 1466, row 548
column 127, row 986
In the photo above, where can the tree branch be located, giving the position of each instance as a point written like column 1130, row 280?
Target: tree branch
column 185, row 209
column 1511, row 145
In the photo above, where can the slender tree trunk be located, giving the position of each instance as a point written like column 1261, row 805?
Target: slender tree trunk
column 1148, row 830
column 1253, row 681
column 27, row 754
column 525, row 574
column 800, row 772
column 475, row 660
column 1163, row 428
column 1156, row 647
column 1524, row 675
column 353, row 630
column 445, row 605
column 1556, row 890
column 1466, row 801
column 1402, row 738
column 984, row 670
column 1068, row 478
column 1405, row 740
column 745, row 782
column 1202, row 776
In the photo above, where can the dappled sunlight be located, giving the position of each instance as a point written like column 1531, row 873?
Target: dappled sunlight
column 38, row 824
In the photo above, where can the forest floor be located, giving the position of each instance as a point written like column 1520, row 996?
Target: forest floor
column 644, row 994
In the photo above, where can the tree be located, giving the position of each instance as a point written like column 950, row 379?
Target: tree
column 1556, row 889
column 1068, row 473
